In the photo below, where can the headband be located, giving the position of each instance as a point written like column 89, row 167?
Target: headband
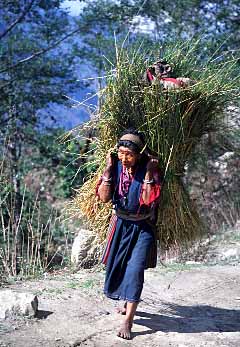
column 133, row 138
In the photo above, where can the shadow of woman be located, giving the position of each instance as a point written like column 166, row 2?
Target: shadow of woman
column 190, row 319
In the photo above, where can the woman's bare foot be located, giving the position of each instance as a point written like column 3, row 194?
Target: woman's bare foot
column 122, row 310
column 125, row 330
column 126, row 327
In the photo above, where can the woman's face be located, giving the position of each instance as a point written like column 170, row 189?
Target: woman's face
column 127, row 157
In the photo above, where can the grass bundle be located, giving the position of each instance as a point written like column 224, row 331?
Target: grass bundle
column 173, row 122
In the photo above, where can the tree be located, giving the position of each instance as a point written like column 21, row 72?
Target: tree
column 34, row 70
column 215, row 21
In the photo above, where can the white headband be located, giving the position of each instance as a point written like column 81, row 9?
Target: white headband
column 133, row 138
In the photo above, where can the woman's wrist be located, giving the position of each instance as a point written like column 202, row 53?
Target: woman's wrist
column 107, row 184
column 148, row 179
column 106, row 178
column 107, row 173
column 148, row 175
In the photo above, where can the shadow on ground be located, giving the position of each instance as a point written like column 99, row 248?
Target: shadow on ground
column 190, row 319
column 43, row 314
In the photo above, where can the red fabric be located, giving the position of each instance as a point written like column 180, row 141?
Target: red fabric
column 155, row 190
column 111, row 231
column 173, row 80
column 154, row 195
column 150, row 76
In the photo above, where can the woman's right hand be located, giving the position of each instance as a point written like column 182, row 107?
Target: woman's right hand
column 110, row 159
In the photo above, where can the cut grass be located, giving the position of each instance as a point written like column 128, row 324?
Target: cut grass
column 173, row 122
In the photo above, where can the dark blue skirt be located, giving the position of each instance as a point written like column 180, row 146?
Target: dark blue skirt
column 126, row 262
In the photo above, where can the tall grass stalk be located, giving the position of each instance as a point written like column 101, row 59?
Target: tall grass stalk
column 24, row 240
column 34, row 257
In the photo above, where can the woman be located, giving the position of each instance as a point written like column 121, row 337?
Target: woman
column 132, row 182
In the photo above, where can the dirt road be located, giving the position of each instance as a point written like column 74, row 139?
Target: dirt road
column 196, row 306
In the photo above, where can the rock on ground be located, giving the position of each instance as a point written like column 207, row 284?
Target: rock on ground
column 190, row 306
column 86, row 249
column 13, row 304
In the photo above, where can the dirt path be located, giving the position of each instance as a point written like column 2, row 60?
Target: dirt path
column 196, row 307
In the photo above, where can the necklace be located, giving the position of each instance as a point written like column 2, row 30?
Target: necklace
column 130, row 171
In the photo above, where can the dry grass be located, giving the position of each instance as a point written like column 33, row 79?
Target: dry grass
column 173, row 122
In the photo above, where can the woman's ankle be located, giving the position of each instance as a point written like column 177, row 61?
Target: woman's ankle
column 128, row 321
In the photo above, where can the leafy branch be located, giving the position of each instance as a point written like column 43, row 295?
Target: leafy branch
column 40, row 52
column 18, row 20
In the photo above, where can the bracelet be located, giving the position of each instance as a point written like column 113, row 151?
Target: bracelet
column 148, row 181
column 105, row 179
column 107, row 183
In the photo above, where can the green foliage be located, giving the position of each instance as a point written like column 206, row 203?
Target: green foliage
column 33, row 73
column 88, row 284
column 31, row 85
column 58, row 162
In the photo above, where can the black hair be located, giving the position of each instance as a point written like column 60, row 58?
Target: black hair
column 129, row 144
